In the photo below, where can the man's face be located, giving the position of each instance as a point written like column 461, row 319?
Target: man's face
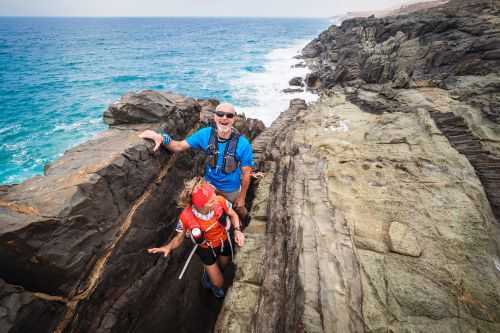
column 224, row 118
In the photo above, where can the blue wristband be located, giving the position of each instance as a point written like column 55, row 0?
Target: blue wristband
column 166, row 139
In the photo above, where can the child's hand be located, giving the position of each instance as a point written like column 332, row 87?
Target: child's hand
column 164, row 249
column 239, row 237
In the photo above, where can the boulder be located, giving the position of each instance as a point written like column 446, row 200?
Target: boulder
column 296, row 81
column 207, row 109
column 403, row 240
column 292, row 90
column 313, row 80
column 149, row 107
column 299, row 65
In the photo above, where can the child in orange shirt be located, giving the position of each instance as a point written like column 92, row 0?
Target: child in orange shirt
column 200, row 220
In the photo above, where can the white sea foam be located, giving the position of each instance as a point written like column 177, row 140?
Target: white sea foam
column 77, row 125
column 267, row 86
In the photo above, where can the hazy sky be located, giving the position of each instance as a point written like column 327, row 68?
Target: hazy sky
column 313, row 8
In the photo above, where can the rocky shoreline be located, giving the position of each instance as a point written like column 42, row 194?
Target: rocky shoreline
column 72, row 242
column 378, row 211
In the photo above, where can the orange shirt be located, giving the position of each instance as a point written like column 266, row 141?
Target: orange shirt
column 216, row 232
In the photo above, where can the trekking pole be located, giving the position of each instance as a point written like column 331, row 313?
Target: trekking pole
column 228, row 223
column 188, row 260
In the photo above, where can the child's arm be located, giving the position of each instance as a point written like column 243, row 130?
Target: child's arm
column 172, row 245
column 239, row 237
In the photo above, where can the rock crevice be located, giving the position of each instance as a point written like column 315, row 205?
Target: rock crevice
column 87, row 269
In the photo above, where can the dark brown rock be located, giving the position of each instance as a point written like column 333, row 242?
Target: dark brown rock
column 73, row 242
column 313, row 80
column 486, row 164
column 296, row 81
column 249, row 127
column 299, row 65
column 207, row 109
column 150, row 107
column 426, row 45
column 22, row 311
column 292, row 90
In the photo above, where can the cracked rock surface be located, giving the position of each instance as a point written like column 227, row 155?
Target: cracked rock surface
column 379, row 208
column 73, row 242
column 364, row 223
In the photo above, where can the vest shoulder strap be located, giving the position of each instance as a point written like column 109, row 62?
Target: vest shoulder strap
column 233, row 143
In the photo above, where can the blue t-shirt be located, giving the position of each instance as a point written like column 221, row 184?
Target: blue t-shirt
column 225, row 182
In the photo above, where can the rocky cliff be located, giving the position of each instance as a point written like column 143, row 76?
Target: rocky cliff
column 380, row 205
column 73, row 242
column 378, row 211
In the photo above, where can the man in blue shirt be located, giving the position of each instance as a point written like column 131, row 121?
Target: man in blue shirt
column 230, row 157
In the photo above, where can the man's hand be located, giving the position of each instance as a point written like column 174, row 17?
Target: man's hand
column 240, row 201
column 164, row 249
column 152, row 135
column 258, row 175
column 239, row 237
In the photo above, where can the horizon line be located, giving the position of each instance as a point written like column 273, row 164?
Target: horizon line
column 174, row 16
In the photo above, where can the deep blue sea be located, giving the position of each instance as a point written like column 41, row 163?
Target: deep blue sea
column 58, row 75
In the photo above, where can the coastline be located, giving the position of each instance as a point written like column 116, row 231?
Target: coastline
column 59, row 106
column 269, row 84
column 376, row 211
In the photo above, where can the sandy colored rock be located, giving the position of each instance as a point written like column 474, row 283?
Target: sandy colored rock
column 403, row 240
column 374, row 223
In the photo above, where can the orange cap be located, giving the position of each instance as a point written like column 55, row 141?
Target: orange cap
column 202, row 194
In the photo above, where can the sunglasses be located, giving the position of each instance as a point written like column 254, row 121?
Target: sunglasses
column 228, row 115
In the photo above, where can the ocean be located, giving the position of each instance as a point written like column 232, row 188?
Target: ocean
column 58, row 75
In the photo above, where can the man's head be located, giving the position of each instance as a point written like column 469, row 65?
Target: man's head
column 225, row 114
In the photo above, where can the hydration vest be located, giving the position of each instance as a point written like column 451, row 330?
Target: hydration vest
column 229, row 163
column 193, row 223
column 198, row 231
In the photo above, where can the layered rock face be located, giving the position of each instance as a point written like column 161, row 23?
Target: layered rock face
column 377, row 211
column 73, row 242
column 451, row 50
column 365, row 222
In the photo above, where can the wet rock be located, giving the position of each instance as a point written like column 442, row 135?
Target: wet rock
column 292, row 90
column 312, row 80
column 299, row 65
column 296, row 81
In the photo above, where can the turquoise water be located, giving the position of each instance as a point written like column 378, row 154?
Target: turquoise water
column 57, row 75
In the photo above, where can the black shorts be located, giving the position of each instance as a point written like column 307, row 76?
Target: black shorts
column 207, row 255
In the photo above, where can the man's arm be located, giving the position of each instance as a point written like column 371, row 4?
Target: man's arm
column 245, row 184
column 172, row 145
column 239, row 236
